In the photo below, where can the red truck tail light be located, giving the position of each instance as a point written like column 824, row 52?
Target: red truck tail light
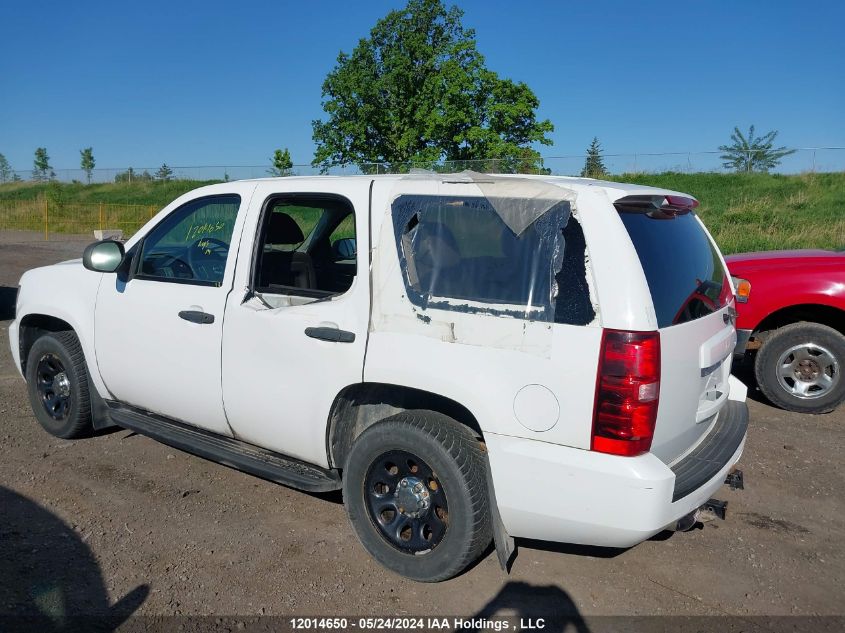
column 627, row 392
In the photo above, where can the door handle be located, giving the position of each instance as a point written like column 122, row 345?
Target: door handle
column 195, row 316
column 331, row 334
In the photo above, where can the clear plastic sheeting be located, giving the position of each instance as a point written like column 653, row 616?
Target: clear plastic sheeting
column 458, row 253
column 457, row 247
column 517, row 201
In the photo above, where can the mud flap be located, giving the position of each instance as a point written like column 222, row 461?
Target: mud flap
column 505, row 545
column 100, row 418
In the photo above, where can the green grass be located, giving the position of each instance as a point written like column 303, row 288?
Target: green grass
column 153, row 192
column 80, row 209
column 754, row 212
column 745, row 212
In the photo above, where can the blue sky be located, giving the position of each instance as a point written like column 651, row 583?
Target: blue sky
column 217, row 83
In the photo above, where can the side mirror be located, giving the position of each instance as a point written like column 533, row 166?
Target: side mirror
column 345, row 248
column 103, row 257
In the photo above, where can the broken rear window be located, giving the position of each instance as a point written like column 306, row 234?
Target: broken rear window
column 458, row 254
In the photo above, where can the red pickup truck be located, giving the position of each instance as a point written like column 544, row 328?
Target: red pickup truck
column 791, row 325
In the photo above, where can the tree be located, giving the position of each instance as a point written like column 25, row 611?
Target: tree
column 282, row 164
column 130, row 175
column 86, row 161
column 6, row 173
column 594, row 164
column 752, row 153
column 417, row 90
column 164, row 173
column 41, row 169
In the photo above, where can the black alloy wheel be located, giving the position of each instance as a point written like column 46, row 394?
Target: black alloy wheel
column 57, row 382
column 406, row 502
column 53, row 386
column 415, row 491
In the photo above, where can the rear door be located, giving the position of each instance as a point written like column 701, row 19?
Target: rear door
column 693, row 301
column 289, row 348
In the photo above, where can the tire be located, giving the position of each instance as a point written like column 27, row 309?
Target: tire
column 801, row 367
column 455, row 527
column 57, row 381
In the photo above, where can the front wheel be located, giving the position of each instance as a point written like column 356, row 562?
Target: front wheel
column 57, row 381
column 800, row 367
column 415, row 491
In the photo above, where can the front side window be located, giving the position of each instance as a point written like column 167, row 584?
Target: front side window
column 191, row 245
column 458, row 254
column 306, row 246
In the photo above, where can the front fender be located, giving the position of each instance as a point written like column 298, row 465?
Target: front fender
column 65, row 291
column 771, row 294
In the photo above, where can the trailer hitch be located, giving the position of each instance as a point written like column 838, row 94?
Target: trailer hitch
column 735, row 481
column 716, row 507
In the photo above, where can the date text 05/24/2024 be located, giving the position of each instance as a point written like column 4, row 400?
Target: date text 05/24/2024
column 417, row 624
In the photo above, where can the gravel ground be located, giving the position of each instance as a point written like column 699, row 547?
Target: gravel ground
column 122, row 523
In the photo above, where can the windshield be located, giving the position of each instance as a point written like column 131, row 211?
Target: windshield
column 682, row 266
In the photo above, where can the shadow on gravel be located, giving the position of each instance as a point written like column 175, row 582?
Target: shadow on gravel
column 8, row 298
column 523, row 601
column 744, row 371
column 49, row 578
column 574, row 550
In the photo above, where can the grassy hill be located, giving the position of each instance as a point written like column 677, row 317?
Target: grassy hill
column 147, row 192
column 745, row 212
column 753, row 212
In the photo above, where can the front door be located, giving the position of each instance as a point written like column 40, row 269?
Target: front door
column 158, row 329
column 297, row 338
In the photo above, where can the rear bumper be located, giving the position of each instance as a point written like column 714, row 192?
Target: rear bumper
column 710, row 456
column 557, row 493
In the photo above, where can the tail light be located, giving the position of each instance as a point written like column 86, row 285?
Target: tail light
column 627, row 392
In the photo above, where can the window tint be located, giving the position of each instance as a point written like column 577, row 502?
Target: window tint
column 296, row 254
column 192, row 243
column 459, row 248
column 681, row 264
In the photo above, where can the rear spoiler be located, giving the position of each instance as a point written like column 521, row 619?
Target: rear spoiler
column 657, row 206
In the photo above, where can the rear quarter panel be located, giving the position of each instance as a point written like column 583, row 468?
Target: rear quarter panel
column 483, row 362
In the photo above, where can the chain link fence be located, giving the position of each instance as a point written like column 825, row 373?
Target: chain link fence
column 802, row 160
column 47, row 219
column 47, row 216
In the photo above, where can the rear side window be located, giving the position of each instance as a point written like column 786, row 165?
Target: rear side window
column 682, row 266
column 458, row 254
column 306, row 246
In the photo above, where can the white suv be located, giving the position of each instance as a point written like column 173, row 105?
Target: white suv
column 467, row 356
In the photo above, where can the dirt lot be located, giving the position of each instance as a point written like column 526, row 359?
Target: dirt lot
column 120, row 517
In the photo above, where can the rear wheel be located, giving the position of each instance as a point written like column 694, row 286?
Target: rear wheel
column 800, row 367
column 415, row 491
column 57, row 381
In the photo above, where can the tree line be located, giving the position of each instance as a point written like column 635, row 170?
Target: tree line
column 418, row 91
column 42, row 171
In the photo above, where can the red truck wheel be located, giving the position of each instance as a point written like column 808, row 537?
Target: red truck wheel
column 800, row 367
